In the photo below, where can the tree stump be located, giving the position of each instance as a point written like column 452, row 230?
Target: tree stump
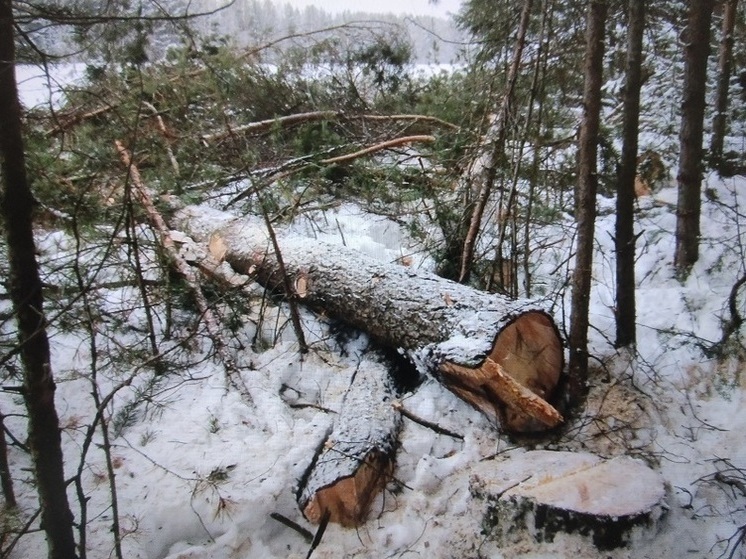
column 543, row 493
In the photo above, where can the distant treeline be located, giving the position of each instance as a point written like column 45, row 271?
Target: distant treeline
column 255, row 22
column 63, row 29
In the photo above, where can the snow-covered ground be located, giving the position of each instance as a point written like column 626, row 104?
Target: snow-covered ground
column 200, row 472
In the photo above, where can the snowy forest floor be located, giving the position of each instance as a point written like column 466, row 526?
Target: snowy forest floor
column 200, row 472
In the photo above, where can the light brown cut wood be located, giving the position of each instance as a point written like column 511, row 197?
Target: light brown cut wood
column 512, row 384
column 348, row 501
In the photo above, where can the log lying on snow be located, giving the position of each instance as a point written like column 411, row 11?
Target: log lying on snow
column 504, row 357
column 357, row 458
column 542, row 493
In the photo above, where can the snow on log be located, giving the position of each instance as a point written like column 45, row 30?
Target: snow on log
column 543, row 493
column 502, row 356
column 357, row 458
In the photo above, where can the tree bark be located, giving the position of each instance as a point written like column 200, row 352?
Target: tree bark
column 725, row 68
column 585, row 199
column 16, row 205
column 6, row 480
column 624, row 237
column 356, row 459
column 503, row 357
column 696, row 51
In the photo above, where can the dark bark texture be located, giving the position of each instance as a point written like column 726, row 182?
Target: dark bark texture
column 16, row 205
column 585, row 199
column 624, row 236
column 688, row 209
column 725, row 69
column 6, row 481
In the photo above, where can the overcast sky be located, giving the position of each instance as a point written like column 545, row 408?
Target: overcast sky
column 419, row 7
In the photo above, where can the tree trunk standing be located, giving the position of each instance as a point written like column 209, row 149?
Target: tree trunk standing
column 482, row 171
column 725, row 67
column 585, row 200
column 16, row 205
column 696, row 51
column 6, row 480
column 504, row 357
column 624, row 236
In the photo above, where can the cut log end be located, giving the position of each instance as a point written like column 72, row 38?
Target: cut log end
column 357, row 459
column 514, row 382
column 348, row 501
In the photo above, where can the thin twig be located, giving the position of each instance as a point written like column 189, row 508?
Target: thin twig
column 305, row 534
column 187, row 272
column 398, row 406
column 289, row 290
column 22, row 532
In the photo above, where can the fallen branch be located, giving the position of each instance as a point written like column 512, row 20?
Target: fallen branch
column 269, row 124
column 285, row 171
column 187, row 272
column 305, row 534
column 66, row 122
column 398, row 406
column 262, row 126
column 388, row 144
column 165, row 133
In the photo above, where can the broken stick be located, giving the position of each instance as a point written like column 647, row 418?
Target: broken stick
column 185, row 270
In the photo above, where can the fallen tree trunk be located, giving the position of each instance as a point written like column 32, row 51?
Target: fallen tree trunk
column 504, row 357
column 357, row 458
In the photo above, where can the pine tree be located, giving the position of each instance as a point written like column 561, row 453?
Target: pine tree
column 624, row 237
column 16, row 206
column 696, row 52
column 585, row 198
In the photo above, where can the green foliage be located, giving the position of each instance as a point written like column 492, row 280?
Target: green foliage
column 384, row 61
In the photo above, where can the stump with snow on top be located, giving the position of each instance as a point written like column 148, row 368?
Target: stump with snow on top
column 544, row 493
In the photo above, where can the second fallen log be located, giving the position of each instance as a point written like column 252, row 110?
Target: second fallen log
column 502, row 356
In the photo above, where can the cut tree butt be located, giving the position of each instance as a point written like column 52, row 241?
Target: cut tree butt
column 543, row 493
column 356, row 460
column 502, row 356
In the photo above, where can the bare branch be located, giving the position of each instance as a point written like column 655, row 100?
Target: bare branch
column 187, row 272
